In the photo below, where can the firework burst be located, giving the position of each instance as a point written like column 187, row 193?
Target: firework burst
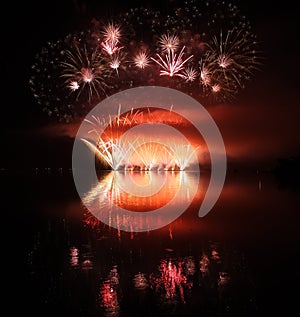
column 235, row 56
column 141, row 60
column 168, row 42
column 84, row 71
column 172, row 64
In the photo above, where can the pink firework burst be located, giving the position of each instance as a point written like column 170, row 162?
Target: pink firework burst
column 141, row 60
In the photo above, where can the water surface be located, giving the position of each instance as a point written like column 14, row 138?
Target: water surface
column 239, row 260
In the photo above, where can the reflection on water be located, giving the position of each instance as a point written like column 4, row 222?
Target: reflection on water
column 142, row 201
column 171, row 281
column 109, row 294
column 140, row 281
column 213, row 280
column 74, row 259
column 192, row 267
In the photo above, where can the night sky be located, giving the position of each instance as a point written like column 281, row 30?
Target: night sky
column 262, row 125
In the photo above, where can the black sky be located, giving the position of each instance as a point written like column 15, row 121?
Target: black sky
column 275, row 89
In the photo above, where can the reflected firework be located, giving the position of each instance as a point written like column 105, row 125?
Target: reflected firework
column 172, row 281
column 140, row 281
column 204, row 48
column 138, row 191
column 109, row 295
column 74, row 257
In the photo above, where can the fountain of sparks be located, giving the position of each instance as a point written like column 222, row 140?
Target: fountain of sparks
column 119, row 148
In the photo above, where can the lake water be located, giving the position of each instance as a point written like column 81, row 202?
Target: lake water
column 241, row 259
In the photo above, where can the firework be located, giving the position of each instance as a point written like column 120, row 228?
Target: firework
column 68, row 76
column 168, row 42
column 189, row 74
column 112, row 33
column 84, row 71
column 172, row 64
column 229, row 62
column 143, row 154
column 141, row 60
column 127, row 151
column 203, row 48
column 46, row 85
